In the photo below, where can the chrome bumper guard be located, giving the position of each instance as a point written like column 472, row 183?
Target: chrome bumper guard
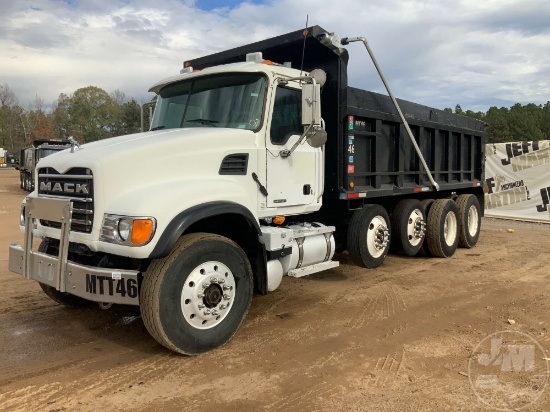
column 103, row 285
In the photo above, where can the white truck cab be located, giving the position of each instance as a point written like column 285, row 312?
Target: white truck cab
column 228, row 151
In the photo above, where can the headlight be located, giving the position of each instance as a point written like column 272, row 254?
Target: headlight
column 123, row 229
column 127, row 230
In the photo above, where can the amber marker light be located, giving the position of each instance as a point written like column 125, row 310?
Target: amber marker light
column 279, row 220
column 351, row 184
column 142, row 231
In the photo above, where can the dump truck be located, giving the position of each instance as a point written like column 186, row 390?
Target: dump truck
column 29, row 157
column 262, row 162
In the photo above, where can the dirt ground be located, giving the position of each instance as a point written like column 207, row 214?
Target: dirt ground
column 397, row 338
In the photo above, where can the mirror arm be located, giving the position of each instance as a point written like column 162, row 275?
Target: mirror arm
column 286, row 153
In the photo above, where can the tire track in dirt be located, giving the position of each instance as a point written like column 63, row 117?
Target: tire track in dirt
column 384, row 304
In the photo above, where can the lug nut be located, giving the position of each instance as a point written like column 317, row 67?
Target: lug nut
column 201, row 306
column 225, row 287
column 205, row 285
column 222, row 307
column 226, row 297
column 214, row 312
column 221, row 281
column 200, row 296
column 207, row 312
column 213, row 279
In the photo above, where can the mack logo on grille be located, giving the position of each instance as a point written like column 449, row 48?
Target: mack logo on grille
column 65, row 187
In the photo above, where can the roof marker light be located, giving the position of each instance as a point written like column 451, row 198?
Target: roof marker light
column 254, row 57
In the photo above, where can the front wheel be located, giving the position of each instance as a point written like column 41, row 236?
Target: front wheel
column 369, row 236
column 195, row 299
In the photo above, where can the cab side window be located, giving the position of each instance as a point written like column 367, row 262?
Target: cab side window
column 287, row 112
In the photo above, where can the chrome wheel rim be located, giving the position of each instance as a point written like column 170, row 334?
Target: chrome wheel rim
column 473, row 221
column 416, row 227
column 378, row 236
column 208, row 295
column 450, row 228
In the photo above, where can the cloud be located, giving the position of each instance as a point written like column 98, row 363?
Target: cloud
column 476, row 53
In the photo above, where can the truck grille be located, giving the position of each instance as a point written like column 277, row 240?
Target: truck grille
column 77, row 185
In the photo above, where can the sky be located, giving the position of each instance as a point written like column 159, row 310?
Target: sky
column 476, row 53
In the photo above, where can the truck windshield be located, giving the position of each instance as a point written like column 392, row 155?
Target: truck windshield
column 228, row 100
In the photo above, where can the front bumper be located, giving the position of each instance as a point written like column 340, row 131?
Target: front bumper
column 104, row 285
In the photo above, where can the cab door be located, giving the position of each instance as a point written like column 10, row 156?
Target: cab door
column 291, row 181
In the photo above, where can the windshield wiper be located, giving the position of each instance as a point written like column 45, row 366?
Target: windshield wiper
column 203, row 121
column 157, row 128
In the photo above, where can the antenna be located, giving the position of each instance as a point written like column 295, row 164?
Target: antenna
column 306, row 32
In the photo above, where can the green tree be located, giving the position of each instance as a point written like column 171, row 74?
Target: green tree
column 12, row 126
column 130, row 118
column 127, row 114
column 525, row 122
column 60, row 118
column 498, row 130
column 92, row 114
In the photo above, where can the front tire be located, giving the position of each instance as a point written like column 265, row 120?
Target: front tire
column 195, row 299
column 369, row 236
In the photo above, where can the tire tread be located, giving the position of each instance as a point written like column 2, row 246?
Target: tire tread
column 464, row 240
column 434, row 235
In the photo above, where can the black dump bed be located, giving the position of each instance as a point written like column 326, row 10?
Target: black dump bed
column 380, row 159
column 368, row 153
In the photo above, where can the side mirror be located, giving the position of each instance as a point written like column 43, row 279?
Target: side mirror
column 311, row 104
column 317, row 137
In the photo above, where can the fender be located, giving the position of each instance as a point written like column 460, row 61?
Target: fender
column 181, row 222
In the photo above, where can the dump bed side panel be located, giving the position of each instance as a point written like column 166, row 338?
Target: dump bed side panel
column 379, row 158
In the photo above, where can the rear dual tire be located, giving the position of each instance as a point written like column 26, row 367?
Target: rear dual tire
column 442, row 234
column 470, row 220
column 409, row 226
